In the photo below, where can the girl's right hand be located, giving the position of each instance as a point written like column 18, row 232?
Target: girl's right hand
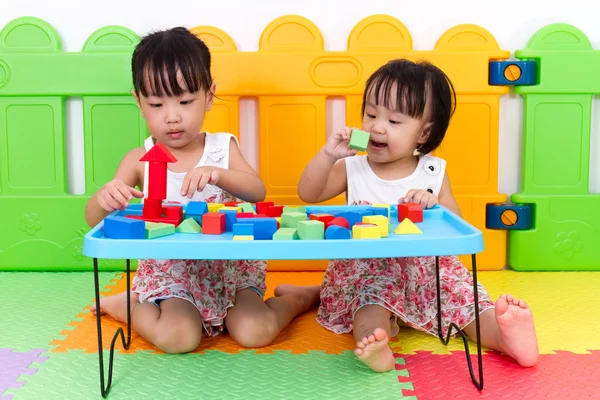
column 115, row 195
column 336, row 146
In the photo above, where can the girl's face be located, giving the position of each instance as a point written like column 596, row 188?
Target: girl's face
column 394, row 135
column 175, row 121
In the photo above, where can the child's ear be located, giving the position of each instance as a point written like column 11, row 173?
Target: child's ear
column 210, row 96
column 137, row 101
column 425, row 133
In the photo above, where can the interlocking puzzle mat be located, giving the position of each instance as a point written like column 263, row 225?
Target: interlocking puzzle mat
column 305, row 362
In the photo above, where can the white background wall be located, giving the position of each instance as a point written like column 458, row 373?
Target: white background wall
column 511, row 22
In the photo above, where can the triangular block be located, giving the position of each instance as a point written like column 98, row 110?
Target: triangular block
column 190, row 225
column 407, row 227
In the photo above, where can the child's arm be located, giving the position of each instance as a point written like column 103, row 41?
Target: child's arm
column 115, row 195
column 325, row 175
column 446, row 198
column 240, row 179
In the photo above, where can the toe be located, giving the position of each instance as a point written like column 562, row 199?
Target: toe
column 509, row 298
column 358, row 352
column 360, row 345
column 380, row 334
column 365, row 340
column 372, row 338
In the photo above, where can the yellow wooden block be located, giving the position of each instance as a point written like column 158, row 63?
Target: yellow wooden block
column 383, row 206
column 278, row 219
column 237, row 209
column 214, row 207
column 366, row 232
column 379, row 220
column 407, row 227
column 243, row 237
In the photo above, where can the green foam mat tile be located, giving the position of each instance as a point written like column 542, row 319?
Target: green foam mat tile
column 215, row 375
column 37, row 306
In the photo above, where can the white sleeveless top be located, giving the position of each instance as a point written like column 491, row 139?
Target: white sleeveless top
column 216, row 153
column 364, row 187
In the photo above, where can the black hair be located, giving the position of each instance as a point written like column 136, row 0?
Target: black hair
column 158, row 57
column 416, row 82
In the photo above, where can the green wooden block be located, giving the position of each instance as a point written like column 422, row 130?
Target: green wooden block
column 311, row 230
column 286, row 234
column 359, row 140
column 290, row 220
column 190, row 225
column 302, row 209
column 247, row 207
column 158, row 229
column 290, row 209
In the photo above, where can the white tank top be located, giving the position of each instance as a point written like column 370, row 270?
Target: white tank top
column 216, row 153
column 364, row 187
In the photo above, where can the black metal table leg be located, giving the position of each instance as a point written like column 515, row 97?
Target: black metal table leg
column 104, row 390
column 478, row 384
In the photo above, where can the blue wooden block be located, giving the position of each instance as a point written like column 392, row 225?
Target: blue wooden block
column 124, row 228
column 264, row 228
column 196, row 209
column 351, row 216
column 230, row 219
column 522, row 73
column 381, row 211
column 337, row 232
column 243, row 229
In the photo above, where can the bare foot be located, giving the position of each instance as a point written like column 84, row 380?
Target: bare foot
column 116, row 306
column 517, row 331
column 307, row 296
column 373, row 350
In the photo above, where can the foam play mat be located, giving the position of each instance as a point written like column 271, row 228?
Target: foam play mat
column 48, row 350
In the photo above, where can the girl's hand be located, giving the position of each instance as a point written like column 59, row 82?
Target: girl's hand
column 336, row 146
column 115, row 195
column 419, row 196
column 197, row 179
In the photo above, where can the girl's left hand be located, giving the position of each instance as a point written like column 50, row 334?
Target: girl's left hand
column 419, row 196
column 197, row 179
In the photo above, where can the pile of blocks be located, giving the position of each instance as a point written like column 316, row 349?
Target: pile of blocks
column 267, row 221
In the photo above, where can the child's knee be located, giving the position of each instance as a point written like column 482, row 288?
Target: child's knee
column 180, row 338
column 255, row 331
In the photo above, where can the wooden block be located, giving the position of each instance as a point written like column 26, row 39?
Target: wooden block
column 264, row 228
column 412, row 211
column 275, row 211
column 290, row 220
column 124, row 228
column 407, row 227
column 242, row 229
column 243, row 237
column 245, row 215
column 236, row 209
column 366, row 231
column 379, row 220
column 214, row 223
column 334, row 232
column 339, row 221
column 262, row 206
column 158, row 229
column 286, row 234
column 247, row 208
column 381, row 209
column 324, row 218
column 190, row 225
column 214, row 207
column 230, row 217
column 311, row 230
column 290, row 209
column 359, row 140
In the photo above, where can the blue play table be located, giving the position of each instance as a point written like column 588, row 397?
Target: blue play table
column 444, row 234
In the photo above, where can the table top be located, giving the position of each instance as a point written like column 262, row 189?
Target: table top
column 444, row 233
